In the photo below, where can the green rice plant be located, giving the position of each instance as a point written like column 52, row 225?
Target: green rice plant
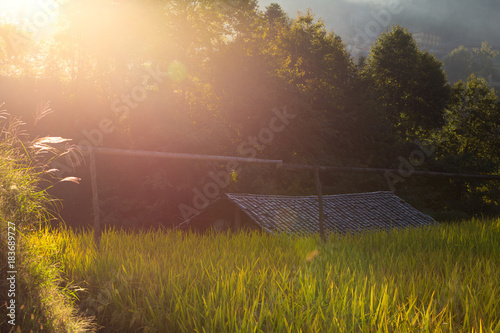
column 436, row 279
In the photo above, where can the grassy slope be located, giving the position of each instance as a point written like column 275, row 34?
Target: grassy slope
column 436, row 279
column 41, row 305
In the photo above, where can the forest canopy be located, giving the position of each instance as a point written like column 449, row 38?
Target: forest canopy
column 225, row 77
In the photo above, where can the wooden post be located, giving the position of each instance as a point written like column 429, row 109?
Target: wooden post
column 237, row 219
column 320, row 204
column 95, row 199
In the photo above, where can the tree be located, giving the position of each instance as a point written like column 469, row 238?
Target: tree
column 457, row 64
column 460, row 63
column 275, row 15
column 482, row 64
column 319, row 67
column 470, row 135
column 469, row 142
column 408, row 84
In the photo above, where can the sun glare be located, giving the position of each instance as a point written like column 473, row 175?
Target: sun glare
column 31, row 16
column 16, row 9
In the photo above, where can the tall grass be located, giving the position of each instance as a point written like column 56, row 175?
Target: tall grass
column 436, row 279
column 24, row 201
column 21, row 200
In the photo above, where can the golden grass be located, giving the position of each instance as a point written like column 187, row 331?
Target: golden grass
column 436, row 279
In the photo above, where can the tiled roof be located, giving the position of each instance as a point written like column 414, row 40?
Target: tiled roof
column 343, row 213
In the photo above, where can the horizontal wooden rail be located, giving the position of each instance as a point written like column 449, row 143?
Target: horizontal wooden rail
column 291, row 166
column 179, row 156
column 279, row 163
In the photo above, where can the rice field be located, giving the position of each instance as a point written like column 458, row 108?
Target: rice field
column 436, row 279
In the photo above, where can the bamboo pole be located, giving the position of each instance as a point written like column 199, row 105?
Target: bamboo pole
column 292, row 166
column 279, row 163
column 181, row 156
column 95, row 199
column 320, row 204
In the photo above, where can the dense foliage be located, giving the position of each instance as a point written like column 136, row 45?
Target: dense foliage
column 461, row 63
column 225, row 78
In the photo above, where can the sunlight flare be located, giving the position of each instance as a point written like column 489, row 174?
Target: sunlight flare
column 30, row 16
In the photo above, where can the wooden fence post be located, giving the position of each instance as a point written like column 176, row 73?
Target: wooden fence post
column 320, row 203
column 95, row 199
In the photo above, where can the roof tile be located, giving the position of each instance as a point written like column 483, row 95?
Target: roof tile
column 342, row 213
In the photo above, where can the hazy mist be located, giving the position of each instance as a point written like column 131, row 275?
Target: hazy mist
column 456, row 21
